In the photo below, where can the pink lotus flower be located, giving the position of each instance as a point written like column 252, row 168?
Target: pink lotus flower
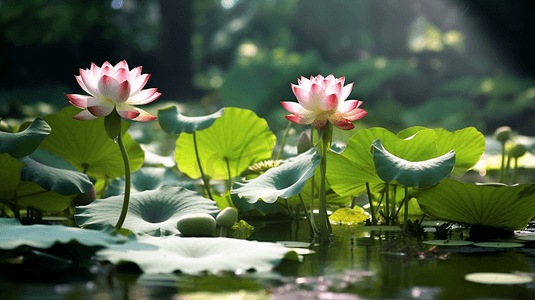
column 321, row 100
column 113, row 87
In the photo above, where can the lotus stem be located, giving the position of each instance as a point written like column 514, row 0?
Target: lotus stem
column 206, row 185
column 515, row 174
column 229, row 182
column 502, row 168
column 325, row 144
column 289, row 209
column 16, row 210
column 374, row 221
column 406, row 216
column 284, row 137
column 387, row 204
column 127, row 181
column 313, row 228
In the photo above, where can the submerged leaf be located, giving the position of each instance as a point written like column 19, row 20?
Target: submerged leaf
column 422, row 174
column 23, row 143
column 195, row 255
column 174, row 122
column 285, row 180
column 153, row 212
column 508, row 207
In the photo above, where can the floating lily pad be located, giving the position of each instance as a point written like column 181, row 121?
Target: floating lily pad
column 13, row 235
column 195, row 255
column 239, row 295
column 174, row 122
column 421, row 174
column 23, row 143
column 285, row 180
column 153, row 212
column 498, row 244
column 295, row 244
column 508, row 207
column 86, row 146
column 380, row 228
column 53, row 173
column 235, row 141
column 497, row 278
column 529, row 238
column 448, row 243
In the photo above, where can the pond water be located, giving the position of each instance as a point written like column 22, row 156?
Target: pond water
column 354, row 265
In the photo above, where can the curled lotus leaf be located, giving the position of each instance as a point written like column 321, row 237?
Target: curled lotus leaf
column 349, row 171
column 23, row 143
column 196, row 255
column 508, row 207
column 468, row 143
column 173, row 122
column 53, row 173
column 421, row 174
column 285, row 180
column 152, row 212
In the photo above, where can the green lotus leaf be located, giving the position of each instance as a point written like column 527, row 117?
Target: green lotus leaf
column 508, row 207
column 239, row 138
column 23, row 143
column 53, row 173
column 153, row 212
column 285, row 180
column 257, row 208
column 349, row 171
column 86, row 146
column 174, row 122
column 9, row 174
column 422, row 174
column 196, row 255
column 30, row 194
column 468, row 143
column 13, row 235
column 147, row 178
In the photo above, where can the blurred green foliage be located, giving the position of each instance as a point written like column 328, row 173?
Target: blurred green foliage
column 44, row 22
